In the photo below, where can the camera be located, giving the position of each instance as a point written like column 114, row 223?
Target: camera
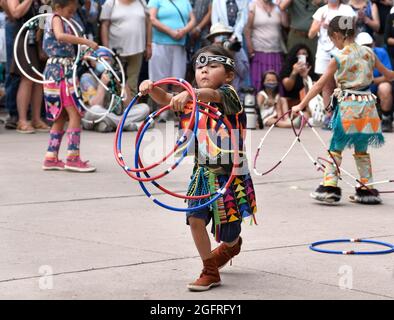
column 232, row 45
column 31, row 37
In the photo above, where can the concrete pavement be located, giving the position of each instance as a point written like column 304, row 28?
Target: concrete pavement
column 97, row 236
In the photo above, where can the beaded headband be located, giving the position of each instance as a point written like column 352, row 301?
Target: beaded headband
column 204, row 59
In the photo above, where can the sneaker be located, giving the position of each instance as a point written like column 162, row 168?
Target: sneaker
column 102, row 126
column 53, row 164
column 327, row 194
column 24, row 127
column 209, row 277
column 79, row 166
column 366, row 196
column 223, row 254
column 11, row 122
column 387, row 125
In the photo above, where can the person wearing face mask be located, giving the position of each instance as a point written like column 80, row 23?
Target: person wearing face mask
column 95, row 96
column 325, row 48
column 271, row 105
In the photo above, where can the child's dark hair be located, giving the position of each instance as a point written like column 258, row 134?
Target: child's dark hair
column 62, row 3
column 343, row 25
column 217, row 50
column 265, row 74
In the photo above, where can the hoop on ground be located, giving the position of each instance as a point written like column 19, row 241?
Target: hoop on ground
column 314, row 247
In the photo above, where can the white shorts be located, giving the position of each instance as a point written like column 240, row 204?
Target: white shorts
column 323, row 59
column 167, row 61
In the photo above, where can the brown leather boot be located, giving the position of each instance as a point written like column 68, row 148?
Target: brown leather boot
column 209, row 277
column 224, row 254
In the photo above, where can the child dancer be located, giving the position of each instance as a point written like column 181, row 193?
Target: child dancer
column 355, row 119
column 60, row 106
column 214, row 70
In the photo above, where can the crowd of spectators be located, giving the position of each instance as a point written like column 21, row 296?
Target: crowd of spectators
column 283, row 41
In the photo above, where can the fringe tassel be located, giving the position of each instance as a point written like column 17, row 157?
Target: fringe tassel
column 341, row 140
column 199, row 185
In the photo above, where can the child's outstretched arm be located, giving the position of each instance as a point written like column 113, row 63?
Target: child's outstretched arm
column 388, row 74
column 317, row 87
column 60, row 35
column 157, row 94
column 179, row 101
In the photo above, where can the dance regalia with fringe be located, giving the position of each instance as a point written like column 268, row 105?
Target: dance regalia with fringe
column 355, row 120
column 213, row 166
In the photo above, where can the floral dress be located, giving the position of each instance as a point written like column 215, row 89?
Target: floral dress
column 355, row 120
column 60, row 93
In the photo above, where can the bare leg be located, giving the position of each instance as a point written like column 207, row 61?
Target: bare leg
column 23, row 98
column 36, row 102
column 200, row 237
column 385, row 96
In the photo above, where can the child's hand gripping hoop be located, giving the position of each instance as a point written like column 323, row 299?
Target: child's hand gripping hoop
column 115, row 81
column 314, row 247
column 193, row 124
column 31, row 25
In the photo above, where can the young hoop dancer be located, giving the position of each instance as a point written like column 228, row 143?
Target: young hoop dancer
column 214, row 70
column 355, row 120
column 59, row 44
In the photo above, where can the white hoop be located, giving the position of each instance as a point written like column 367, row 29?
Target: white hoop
column 107, row 67
column 26, row 24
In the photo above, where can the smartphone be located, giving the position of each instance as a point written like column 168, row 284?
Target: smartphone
column 302, row 58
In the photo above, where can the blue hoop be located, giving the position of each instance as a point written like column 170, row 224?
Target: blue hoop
column 385, row 244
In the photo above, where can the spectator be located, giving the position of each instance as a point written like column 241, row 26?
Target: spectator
column 367, row 16
column 300, row 15
column 28, row 91
column 234, row 14
column 126, row 28
column 325, row 48
column 221, row 34
column 297, row 67
column 94, row 95
column 389, row 35
column 264, row 38
column 202, row 10
column 172, row 21
column 11, row 79
column 271, row 105
column 384, row 7
column 380, row 86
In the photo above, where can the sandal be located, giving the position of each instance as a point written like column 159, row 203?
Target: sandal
column 41, row 126
column 24, row 127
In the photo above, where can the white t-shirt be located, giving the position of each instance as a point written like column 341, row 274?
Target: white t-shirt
column 324, row 44
column 127, row 30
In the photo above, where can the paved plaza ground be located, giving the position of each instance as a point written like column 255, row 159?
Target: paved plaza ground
column 97, row 236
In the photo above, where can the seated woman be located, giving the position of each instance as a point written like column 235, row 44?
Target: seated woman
column 297, row 67
column 271, row 105
column 97, row 98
